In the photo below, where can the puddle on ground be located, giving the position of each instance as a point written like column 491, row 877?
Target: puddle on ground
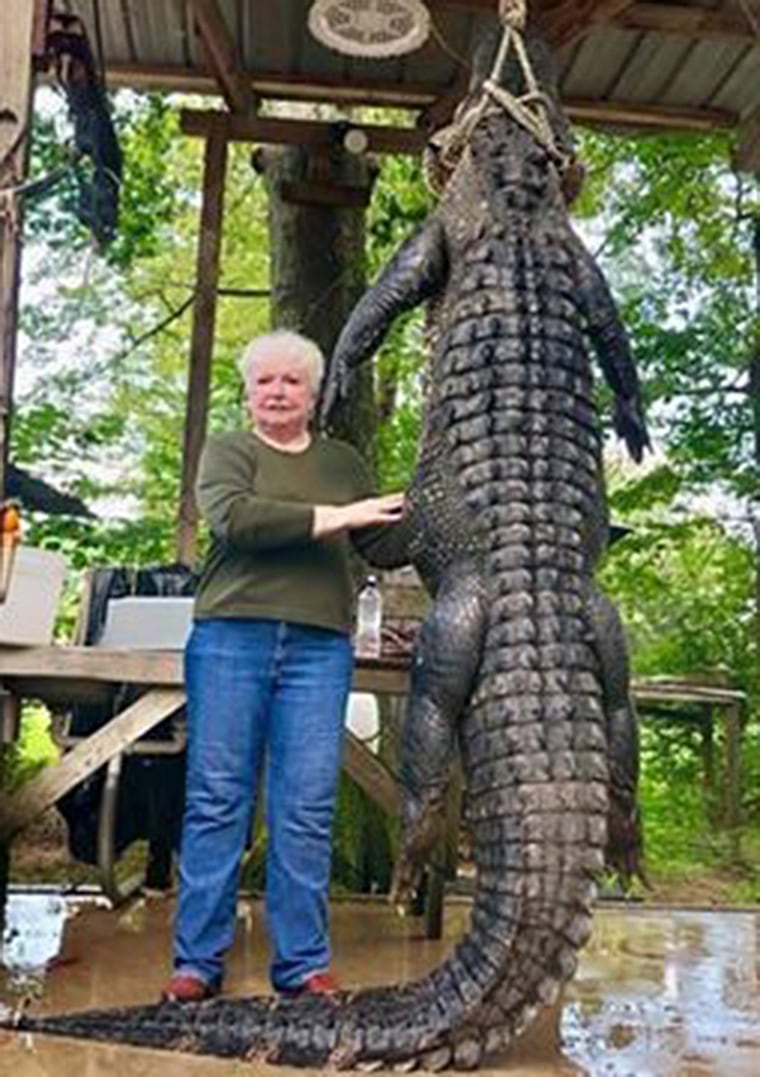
column 658, row 993
column 32, row 937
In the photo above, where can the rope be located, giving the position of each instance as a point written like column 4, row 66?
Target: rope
column 513, row 13
column 530, row 109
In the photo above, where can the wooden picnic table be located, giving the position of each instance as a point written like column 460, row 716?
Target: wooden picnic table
column 63, row 675
column 60, row 676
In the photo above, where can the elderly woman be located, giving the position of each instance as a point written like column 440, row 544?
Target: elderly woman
column 268, row 670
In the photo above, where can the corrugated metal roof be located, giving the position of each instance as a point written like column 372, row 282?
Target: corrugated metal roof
column 150, row 42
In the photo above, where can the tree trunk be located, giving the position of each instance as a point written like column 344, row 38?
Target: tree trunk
column 317, row 210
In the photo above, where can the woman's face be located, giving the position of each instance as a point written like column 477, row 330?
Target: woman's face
column 280, row 396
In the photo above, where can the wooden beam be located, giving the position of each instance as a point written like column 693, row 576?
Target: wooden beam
column 566, row 21
column 18, row 22
column 39, row 794
column 306, row 133
column 683, row 690
column 407, row 140
column 202, row 340
column 411, row 96
column 648, row 117
column 107, row 665
column 43, row 9
column 370, row 774
column 112, row 665
column 322, row 193
column 223, row 55
column 287, row 86
column 687, row 21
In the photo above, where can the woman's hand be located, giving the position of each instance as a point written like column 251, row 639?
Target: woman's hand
column 330, row 519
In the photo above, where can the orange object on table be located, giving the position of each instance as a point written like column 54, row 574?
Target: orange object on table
column 10, row 533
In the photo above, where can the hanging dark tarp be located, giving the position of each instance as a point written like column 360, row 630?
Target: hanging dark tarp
column 39, row 496
column 151, row 793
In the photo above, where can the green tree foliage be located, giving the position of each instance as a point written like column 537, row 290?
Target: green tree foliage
column 678, row 227
column 105, row 340
column 400, row 205
column 104, row 361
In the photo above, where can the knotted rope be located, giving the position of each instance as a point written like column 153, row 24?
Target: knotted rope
column 530, row 109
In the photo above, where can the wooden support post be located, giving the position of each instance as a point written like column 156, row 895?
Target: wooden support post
column 446, row 860
column 733, row 726
column 17, row 28
column 10, row 717
column 202, row 344
column 707, row 727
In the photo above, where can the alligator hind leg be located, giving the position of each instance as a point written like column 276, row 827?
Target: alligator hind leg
column 446, row 659
column 624, row 841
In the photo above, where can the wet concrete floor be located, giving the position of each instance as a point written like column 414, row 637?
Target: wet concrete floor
column 658, row 992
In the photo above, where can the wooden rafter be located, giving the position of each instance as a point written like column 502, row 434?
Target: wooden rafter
column 684, row 21
column 576, row 17
column 407, row 140
column 422, row 95
column 648, row 117
column 564, row 22
column 172, row 78
column 222, row 55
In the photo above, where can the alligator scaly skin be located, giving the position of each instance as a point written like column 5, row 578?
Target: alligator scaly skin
column 505, row 520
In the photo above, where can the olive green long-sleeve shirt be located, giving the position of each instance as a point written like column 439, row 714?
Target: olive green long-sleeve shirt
column 259, row 504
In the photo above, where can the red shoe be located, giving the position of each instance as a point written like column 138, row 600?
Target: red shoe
column 319, row 983
column 184, row 987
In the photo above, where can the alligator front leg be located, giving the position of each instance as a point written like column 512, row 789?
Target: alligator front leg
column 416, row 273
column 624, row 837
column 610, row 342
column 445, row 662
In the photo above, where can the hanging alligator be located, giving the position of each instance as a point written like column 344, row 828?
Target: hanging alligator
column 521, row 663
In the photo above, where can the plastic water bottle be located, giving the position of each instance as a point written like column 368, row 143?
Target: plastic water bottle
column 369, row 619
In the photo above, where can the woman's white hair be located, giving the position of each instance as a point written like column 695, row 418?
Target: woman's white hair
column 284, row 344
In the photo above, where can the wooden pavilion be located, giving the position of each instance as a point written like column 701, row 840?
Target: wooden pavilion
column 691, row 66
column 622, row 64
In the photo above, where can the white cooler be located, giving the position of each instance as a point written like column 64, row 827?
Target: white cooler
column 28, row 614
column 148, row 622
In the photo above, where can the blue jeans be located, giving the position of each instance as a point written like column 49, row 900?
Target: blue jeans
column 257, row 690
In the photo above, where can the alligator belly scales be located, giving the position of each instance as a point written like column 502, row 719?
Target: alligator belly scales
column 521, row 663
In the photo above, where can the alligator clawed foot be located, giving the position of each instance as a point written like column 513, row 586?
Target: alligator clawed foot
column 423, row 828
column 624, row 852
column 407, row 873
column 337, row 388
column 344, row 1057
